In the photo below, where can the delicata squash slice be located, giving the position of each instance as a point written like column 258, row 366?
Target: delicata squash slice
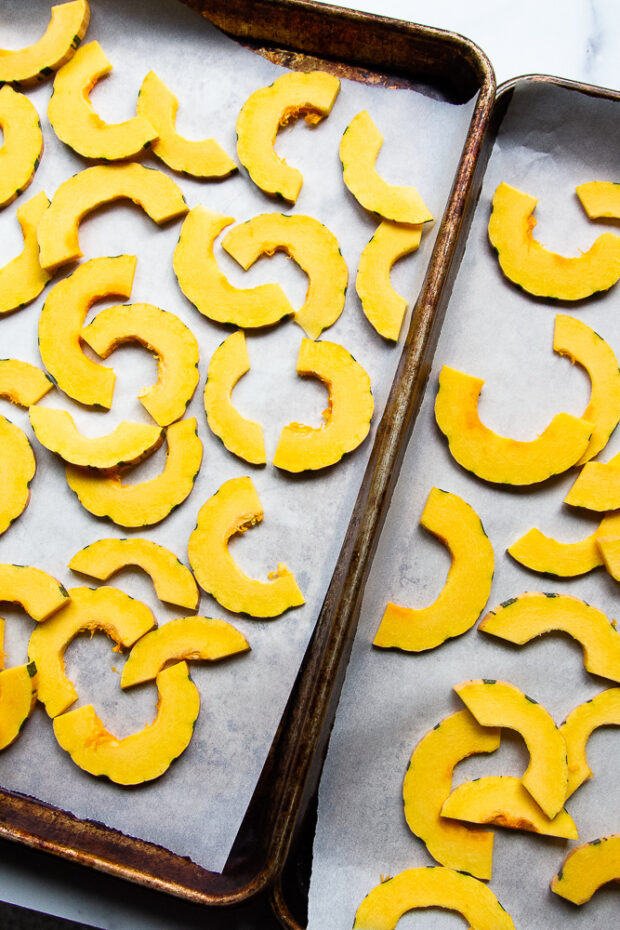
column 602, row 710
column 600, row 199
column 587, row 868
column 66, row 29
column 18, row 696
column 22, row 383
column 566, row 559
column 38, row 593
column 597, row 486
column 22, row 279
column 17, row 468
column 22, row 146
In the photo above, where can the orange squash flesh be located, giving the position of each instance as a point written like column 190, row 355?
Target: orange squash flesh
column 587, row 868
column 602, row 710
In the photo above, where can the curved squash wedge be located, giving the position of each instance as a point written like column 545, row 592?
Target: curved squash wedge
column 597, row 486
column 544, row 554
column 38, row 593
column 66, row 29
column 18, row 696
column 22, row 146
column 22, row 279
column 587, row 868
column 467, row 586
column 17, row 468
column 235, row 508
column 22, row 383
column 600, row 199
column 609, row 545
column 602, row 710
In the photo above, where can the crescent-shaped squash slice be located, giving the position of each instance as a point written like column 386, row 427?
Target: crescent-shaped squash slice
column 241, row 436
column 22, row 279
column 74, row 120
column 496, row 458
column 312, row 246
column 157, row 194
column 600, row 199
column 61, row 322
column 22, row 383
column 18, row 696
column 359, row 147
column 347, row 417
column 121, row 617
column 587, row 868
column 597, row 486
column 66, row 29
column 311, row 95
column 17, row 468
column 467, row 586
column 383, row 307
column 500, row 704
column 235, row 508
column 199, row 159
column 528, row 615
column 146, row 502
column 40, row 594
column 602, row 710
column 189, row 638
column 502, row 800
column 537, row 270
column 431, row 887
column 22, row 146
column 427, row 785
column 144, row 755
column 544, row 554
column 164, row 334
column 203, row 283
column 173, row 581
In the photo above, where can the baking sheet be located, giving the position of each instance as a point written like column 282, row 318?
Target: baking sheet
column 550, row 140
column 204, row 795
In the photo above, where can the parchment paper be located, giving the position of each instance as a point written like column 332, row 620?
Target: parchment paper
column 550, row 141
column 196, row 808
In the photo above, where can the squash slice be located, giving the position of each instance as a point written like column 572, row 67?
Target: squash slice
column 544, row 554
column 496, row 458
column 587, row 868
column 144, row 755
column 121, row 617
column 538, row 271
column 349, row 410
column 22, row 146
column 157, row 194
column 312, row 246
column 203, row 159
column 602, row 710
column 66, row 29
column 164, row 334
column 17, row 468
column 38, row 593
column 498, row 703
column 241, row 436
column 22, row 383
column 18, row 696
column 600, row 199
column 173, row 581
column 467, row 586
column 311, row 95
column 609, row 546
column 22, row 279
column 597, row 487
column 235, row 508
column 427, row 785
column 146, row 502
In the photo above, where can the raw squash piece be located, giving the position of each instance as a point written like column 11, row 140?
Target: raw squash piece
column 146, row 502
column 22, row 383
column 61, row 321
column 241, row 436
column 587, row 868
column 73, row 117
column 17, row 468
column 432, row 886
column 597, row 486
column 311, row 95
column 235, row 508
column 203, row 159
column 528, row 615
column 349, row 410
column 155, row 192
column 173, row 581
column 544, row 554
column 121, row 617
column 144, row 755
column 537, row 270
column 2, row 653
column 66, row 29
column 18, row 696
column 203, row 283
column 38, row 593
column 498, row 458
column 609, row 547
column 602, row 710
column 22, row 279
column 467, row 586
column 22, row 146
column 502, row 800
column 498, row 703
column 382, row 306
column 600, row 199
column 427, row 785
column 189, row 638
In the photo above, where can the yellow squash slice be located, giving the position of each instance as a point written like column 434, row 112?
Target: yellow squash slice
column 203, row 283
column 203, row 159
column 608, row 543
column 544, row 554
column 38, row 593
column 290, row 96
column 164, row 334
column 241, row 436
column 235, row 508
column 312, row 246
column 17, row 468
column 467, row 586
column 121, row 617
column 144, row 755
column 18, row 696
column 146, row 502
column 597, row 486
column 66, row 29
column 500, row 704
column 22, row 145
column 496, row 458
column 22, row 279
column 537, row 270
column 587, row 868
column 173, row 581
column 347, row 417
column 427, row 785
column 157, row 194
column 602, row 710
column 22, row 383
column 600, row 199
